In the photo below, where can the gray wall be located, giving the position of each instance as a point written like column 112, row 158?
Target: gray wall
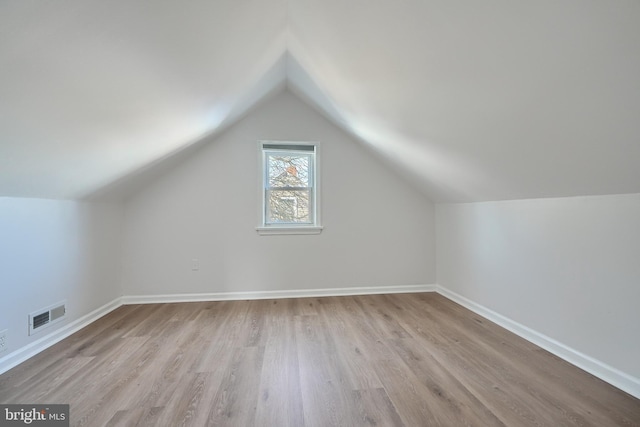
column 378, row 230
column 52, row 250
column 567, row 268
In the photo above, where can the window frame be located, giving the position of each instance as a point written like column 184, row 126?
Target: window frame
column 313, row 227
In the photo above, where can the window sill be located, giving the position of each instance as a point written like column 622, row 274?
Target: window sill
column 283, row 230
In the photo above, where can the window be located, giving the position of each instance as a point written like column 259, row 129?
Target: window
column 289, row 190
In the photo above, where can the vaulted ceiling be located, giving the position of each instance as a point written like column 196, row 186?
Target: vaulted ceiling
column 468, row 100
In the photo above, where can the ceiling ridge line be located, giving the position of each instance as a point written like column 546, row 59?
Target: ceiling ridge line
column 287, row 27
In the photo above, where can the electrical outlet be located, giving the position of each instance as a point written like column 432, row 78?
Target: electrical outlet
column 195, row 264
column 3, row 340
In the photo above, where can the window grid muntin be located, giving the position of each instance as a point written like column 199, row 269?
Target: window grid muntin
column 297, row 149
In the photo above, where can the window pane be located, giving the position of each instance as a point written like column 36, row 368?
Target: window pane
column 289, row 181
column 288, row 170
column 290, row 206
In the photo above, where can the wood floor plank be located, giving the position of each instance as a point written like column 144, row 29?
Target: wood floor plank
column 445, row 388
column 521, row 363
column 410, row 398
column 368, row 340
column 279, row 402
column 384, row 360
column 36, row 366
column 170, row 365
column 235, row 402
column 306, row 306
column 87, row 386
column 324, row 396
column 511, row 403
column 374, row 408
column 348, row 349
column 138, row 417
column 383, row 321
column 43, row 387
column 117, row 390
column 183, row 406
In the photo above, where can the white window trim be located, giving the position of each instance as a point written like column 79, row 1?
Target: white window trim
column 289, row 229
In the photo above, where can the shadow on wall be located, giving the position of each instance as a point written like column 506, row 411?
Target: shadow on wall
column 53, row 250
column 268, row 85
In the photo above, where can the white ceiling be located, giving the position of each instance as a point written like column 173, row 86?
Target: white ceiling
column 469, row 100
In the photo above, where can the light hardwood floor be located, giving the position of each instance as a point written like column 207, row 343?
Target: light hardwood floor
column 380, row 360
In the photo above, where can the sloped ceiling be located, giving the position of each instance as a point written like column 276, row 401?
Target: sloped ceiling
column 469, row 100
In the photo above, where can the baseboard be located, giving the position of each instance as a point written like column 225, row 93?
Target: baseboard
column 297, row 293
column 595, row 367
column 599, row 369
column 20, row 355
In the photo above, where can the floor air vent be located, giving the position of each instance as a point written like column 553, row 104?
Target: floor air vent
column 46, row 317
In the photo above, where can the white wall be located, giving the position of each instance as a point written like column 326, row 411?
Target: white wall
column 378, row 231
column 568, row 268
column 50, row 251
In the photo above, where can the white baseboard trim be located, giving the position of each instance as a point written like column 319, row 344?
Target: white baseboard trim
column 607, row 373
column 296, row 293
column 599, row 369
column 20, row 355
